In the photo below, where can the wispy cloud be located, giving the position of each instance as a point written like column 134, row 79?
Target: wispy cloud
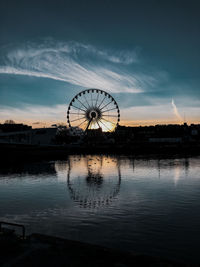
column 78, row 64
column 176, row 112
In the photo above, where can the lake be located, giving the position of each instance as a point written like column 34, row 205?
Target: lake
column 148, row 206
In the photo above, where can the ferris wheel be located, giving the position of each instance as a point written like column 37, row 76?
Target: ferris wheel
column 93, row 109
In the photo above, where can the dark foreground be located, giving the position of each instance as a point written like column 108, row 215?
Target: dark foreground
column 18, row 152
column 43, row 250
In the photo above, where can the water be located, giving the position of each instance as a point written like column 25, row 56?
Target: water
column 144, row 206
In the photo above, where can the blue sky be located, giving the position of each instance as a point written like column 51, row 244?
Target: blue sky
column 145, row 53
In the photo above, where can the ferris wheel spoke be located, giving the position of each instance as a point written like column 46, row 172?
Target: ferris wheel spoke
column 87, row 101
column 108, row 110
column 97, row 99
column 108, row 121
column 102, row 101
column 81, row 123
column 114, row 116
column 106, row 105
column 85, row 128
column 104, row 125
column 82, row 103
column 91, row 124
column 76, row 113
column 79, row 108
column 91, row 99
column 98, row 124
column 78, row 119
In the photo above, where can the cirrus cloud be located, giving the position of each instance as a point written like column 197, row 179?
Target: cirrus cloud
column 78, row 64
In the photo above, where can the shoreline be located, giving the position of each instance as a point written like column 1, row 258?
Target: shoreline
column 18, row 152
column 45, row 250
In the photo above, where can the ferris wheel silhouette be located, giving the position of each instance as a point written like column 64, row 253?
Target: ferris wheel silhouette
column 93, row 109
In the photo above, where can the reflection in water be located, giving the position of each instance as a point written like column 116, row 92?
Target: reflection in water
column 99, row 186
column 187, row 166
column 180, row 165
column 177, row 174
column 150, row 215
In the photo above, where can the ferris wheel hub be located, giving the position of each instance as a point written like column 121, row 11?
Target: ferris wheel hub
column 93, row 114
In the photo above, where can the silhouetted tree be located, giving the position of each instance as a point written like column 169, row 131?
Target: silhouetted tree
column 9, row 122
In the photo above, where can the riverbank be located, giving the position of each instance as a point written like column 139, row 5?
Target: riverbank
column 43, row 250
column 18, row 152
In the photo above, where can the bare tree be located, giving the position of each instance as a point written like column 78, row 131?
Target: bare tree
column 9, row 122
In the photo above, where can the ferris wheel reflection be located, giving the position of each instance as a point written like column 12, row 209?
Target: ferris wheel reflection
column 93, row 181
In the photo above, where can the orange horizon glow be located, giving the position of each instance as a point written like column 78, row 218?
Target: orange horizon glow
column 127, row 123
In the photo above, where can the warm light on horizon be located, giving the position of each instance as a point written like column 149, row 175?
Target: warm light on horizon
column 138, row 123
column 105, row 126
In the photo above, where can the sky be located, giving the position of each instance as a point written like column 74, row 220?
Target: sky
column 144, row 53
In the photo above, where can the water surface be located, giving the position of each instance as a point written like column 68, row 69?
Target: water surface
column 145, row 206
